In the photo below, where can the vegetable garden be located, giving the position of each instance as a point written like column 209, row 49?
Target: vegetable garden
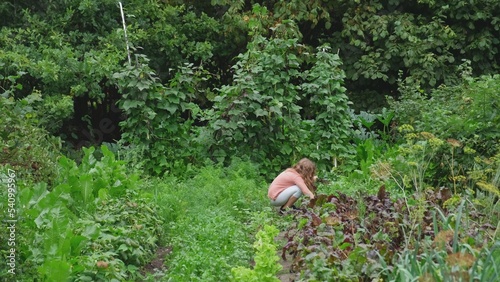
column 156, row 168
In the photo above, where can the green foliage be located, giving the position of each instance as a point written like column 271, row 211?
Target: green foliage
column 342, row 238
column 129, row 227
column 159, row 118
column 53, row 111
column 210, row 220
column 460, row 111
column 261, row 106
column 266, row 259
column 329, row 105
column 281, row 109
column 91, row 226
column 26, row 148
column 425, row 161
column 175, row 35
column 373, row 138
column 450, row 256
column 426, row 40
column 486, row 269
column 370, row 125
column 47, row 112
column 418, row 159
column 67, row 50
column 93, row 180
column 63, row 62
column 457, row 124
column 285, row 96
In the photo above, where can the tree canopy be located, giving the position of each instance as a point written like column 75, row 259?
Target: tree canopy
column 232, row 71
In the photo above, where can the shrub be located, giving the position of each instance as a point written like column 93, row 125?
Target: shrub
column 26, row 148
column 468, row 112
column 284, row 101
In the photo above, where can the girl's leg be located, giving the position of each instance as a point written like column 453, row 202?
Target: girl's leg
column 291, row 193
column 290, row 202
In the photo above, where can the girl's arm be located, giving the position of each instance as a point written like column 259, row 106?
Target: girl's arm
column 303, row 187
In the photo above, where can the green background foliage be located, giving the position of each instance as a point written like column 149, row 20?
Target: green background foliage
column 395, row 94
column 197, row 57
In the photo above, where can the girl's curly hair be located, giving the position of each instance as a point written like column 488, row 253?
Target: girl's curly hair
column 307, row 169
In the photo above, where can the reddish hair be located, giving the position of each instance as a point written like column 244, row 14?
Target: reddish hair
column 307, row 169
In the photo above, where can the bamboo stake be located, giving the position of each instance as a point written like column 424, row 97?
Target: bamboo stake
column 125, row 32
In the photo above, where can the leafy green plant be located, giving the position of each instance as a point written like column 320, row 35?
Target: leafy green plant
column 266, row 260
column 53, row 111
column 94, row 180
column 444, row 113
column 23, row 267
column 426, row 160
column 155, row 128
column 124, row 234
column 283, row 105
column 486, row 268
column 417, row 159
column 9, row 83
column 329, row 106
column 92, row 225
column 261, row 104
column 365, row 153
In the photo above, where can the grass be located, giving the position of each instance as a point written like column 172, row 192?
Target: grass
column 211, row 220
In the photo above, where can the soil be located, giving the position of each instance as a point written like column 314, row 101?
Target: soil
column 285, row 274
column 158, row 262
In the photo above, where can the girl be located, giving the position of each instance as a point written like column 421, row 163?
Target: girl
column 289, row 185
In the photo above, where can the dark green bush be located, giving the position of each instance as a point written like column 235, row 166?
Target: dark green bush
column 25, row 147
column 469, row 112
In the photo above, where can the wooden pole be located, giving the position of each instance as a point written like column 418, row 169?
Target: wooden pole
column 125, row 32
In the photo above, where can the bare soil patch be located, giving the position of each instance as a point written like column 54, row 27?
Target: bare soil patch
column 286, row 274
column 158, row 262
